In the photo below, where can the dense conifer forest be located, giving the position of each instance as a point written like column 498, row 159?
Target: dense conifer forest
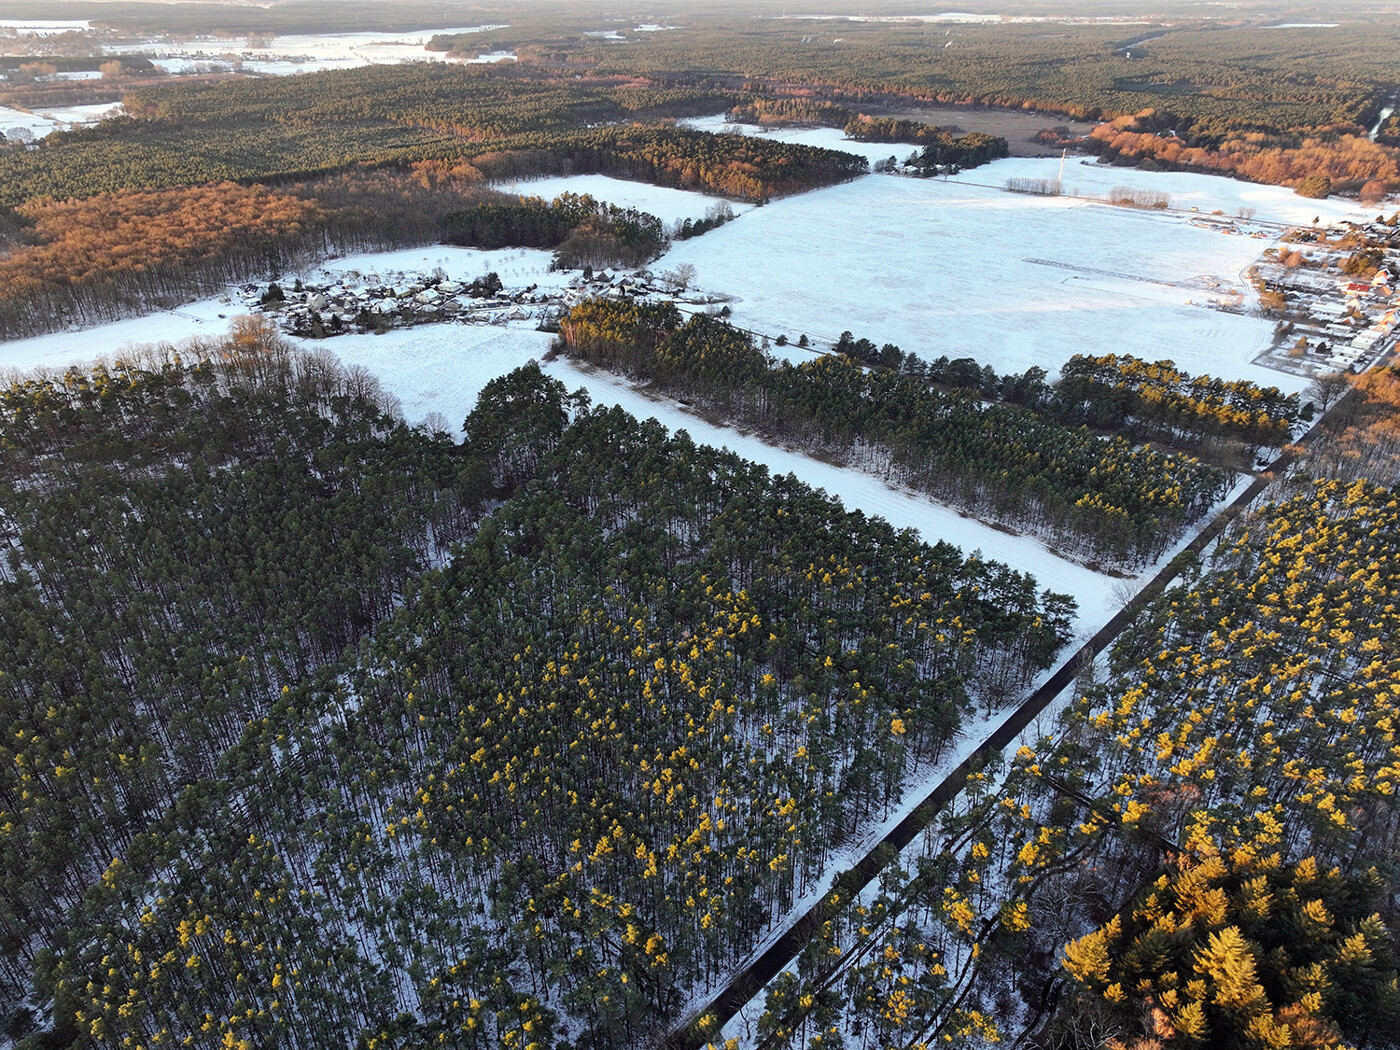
column 531, row 729
column 280, row 765
column 1219, row 810
column 1111, row 500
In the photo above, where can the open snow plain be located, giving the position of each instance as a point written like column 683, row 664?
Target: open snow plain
column 964, row 268
column 302, row 53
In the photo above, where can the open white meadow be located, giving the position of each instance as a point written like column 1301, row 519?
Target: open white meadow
column 964, row 268
column 305, row 53
column 42, row 26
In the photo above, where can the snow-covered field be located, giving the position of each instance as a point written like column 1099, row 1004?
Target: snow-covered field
column 57, row 118
column 956, row 267
column 307, row 53
column 666, row 204
column 1206, row 193
column 15, row 119
column 42, row 26
column 963, row 268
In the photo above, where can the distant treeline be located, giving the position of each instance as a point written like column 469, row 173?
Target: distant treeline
column 941, row 146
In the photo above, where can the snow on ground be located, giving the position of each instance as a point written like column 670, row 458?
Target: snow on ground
column 310, row 52
column 15, row 119
column 42, row 27
column 58, row 118
column 969, row 270
column 666, row 204
column 517, row 267
column 822, row 138
column 443, row 367
column 1207, row 193
column 952, row 267
column 88, row 114
column 191, row 64
column 439, row 368
column 58, row 350
column 864, row 492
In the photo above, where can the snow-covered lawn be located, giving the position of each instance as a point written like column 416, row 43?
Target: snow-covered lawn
column 666, row 204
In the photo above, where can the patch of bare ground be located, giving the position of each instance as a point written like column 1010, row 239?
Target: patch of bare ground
column 1018, row 126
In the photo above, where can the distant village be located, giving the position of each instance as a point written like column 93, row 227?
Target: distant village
column 349, row 301
column 1333, row 290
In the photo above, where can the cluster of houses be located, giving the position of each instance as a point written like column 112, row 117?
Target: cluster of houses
column 353, row 302
column 1369, row 303
column 366, row 303
column 1341, row 322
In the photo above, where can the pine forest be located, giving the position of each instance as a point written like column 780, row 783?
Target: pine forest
column 1032, row 684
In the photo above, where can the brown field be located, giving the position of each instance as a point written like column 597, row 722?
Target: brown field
column 1015, row 125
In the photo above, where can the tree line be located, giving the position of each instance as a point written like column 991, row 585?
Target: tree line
column 1109, row 500
column 585, row 231
column 942, row 147
column 1244, row 99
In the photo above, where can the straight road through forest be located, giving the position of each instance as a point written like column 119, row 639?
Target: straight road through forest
column 751, row 980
